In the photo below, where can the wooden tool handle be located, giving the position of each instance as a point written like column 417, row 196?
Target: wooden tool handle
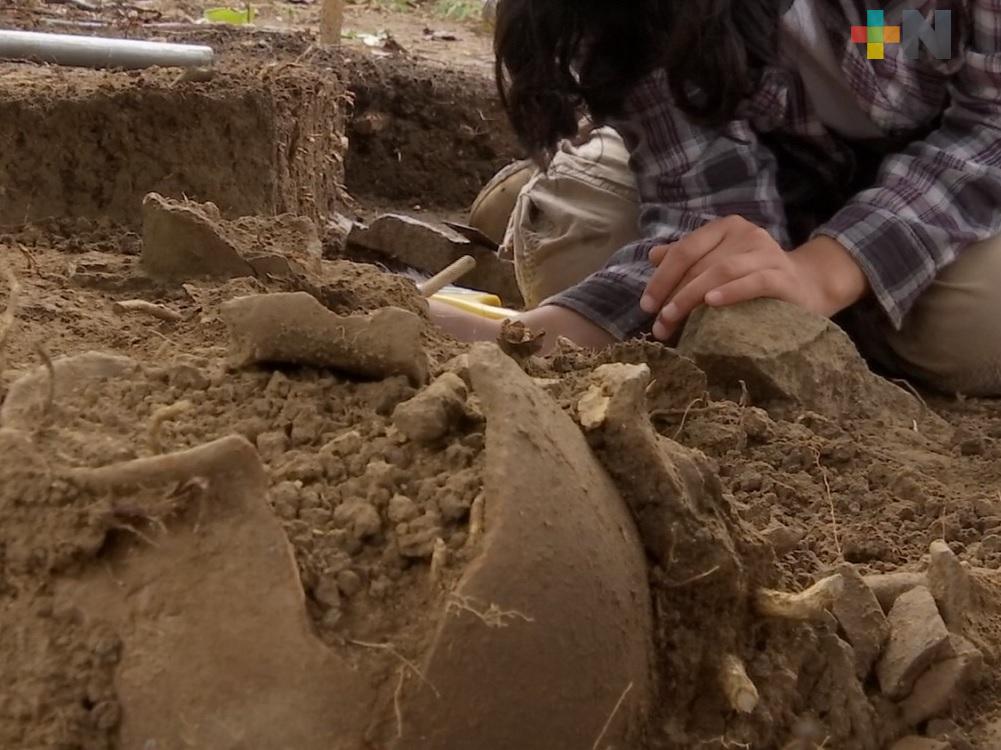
column 450, row 275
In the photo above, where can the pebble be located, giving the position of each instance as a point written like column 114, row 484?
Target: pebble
column 918, row 638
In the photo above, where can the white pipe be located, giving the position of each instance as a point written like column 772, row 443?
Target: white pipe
column 99, row 52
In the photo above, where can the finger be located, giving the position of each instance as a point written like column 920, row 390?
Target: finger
column 679, row 258
column 658, row 253
column 766, row 283
column 694, row 294
column 728, row 249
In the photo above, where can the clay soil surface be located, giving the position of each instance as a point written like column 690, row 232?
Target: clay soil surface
column 225, row 523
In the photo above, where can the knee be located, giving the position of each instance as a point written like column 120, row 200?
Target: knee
column 951, row 340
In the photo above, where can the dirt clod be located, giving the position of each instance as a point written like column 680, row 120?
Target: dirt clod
column 294, row 328
column 432, row 413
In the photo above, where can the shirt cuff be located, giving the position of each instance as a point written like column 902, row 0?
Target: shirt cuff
column 610, row 298
column 890, row 252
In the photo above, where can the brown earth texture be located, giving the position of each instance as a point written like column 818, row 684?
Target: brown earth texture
column 251, row 497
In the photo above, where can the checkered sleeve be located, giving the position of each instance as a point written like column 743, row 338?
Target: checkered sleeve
column 687, row 175
column 940, row 194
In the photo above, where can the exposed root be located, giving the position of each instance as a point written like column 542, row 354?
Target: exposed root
column 397, row 707
column 493, row 616
column 164, row 414
column 684, row 417
column 694, row 579
column 390, row 649
column 812, row 605
column 830, row 503
column 439, row 559
column 133, row 530
column 740, row 691
column 477, row 521
column 148, row 308
column 611, row 716
column 50, row 394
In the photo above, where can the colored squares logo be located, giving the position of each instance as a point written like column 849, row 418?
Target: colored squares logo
column 875, row 35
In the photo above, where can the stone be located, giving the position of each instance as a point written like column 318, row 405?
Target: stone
column 432, row 247
column 431, row 414
column 862, row 620
column 918, row 638
column 937, row 689
column 950, row 584
column 787, row 357
column 920, row 743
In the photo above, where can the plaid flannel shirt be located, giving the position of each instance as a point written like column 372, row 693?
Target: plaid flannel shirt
column 904, row 207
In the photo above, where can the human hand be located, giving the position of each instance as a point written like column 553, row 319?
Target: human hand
column 732, row 260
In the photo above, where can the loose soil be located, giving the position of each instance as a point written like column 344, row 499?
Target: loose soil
column 574, row 541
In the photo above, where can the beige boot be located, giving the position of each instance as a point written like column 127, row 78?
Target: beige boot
column 493, row 207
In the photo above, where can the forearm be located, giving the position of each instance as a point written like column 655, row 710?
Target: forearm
column 837, row 275
column 560, row 322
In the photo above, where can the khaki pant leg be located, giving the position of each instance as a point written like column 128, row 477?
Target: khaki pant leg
column 569, row 220
column 951, row 339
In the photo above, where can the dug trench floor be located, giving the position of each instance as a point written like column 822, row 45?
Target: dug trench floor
column 205, row 542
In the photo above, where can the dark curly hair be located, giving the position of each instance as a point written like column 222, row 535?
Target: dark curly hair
column 557, row 59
